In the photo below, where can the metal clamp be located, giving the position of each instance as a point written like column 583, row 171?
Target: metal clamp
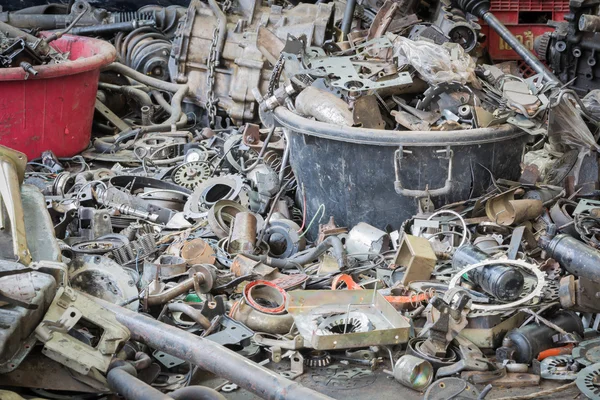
column 398, row 155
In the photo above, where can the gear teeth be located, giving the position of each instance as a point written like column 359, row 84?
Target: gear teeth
column 317, row 359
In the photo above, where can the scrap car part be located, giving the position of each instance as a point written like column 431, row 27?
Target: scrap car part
column 481, row 9
column 364, row 239
column 310, row 307
column 57, row 331
column 191, row 174
column 535, row 294
column 587, row 381
column 12, row 172
column 574, row 256
column 317, row 359
column 211, row 357
column 587, row 352
column 201, row 279
column 413, row 372
column 283, row 238
column 525, row 343
column 25, row 297
column 207, row 194
column 239, row 62
column 561, row 368
column 221, row 216
column 502, row 282
column 103, row 278
column 135, row 251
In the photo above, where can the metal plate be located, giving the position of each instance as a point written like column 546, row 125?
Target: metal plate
column 588, row 352
column 587, row 381
column 556, row 368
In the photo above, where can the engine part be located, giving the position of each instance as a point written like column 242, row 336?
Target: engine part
column 447, row 317
column 587, row 381
column 94, row 223
column 534, row 295
column 502, row 282
column 578, row 294
column 561, row 368
column 165, row 267
column 283, row 238
column 26, row 295
column 243, row 233
column 449, row 25
column 260, row 321
column 524, row 344
column 571, row 50
column 240, row 65
column 207, row 194
column 201, row 278
column 481, row 9
column 503, row 209
column 146, row 50
column 73, row 312
column 100, row 246
column 103, row 278
column 310, row 307
column 221, row 216
column 135, row 251
column 574, row 256
column 317, row 359
column 191, row 174
column 365, row 239
column 413, row 372
column 197, row 251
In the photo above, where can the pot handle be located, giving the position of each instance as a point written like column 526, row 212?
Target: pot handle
column 444, row 190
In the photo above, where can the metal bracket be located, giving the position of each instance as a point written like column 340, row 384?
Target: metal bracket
column 296, row 365
column 398, row 156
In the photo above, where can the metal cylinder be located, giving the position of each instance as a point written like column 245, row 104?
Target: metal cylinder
column 348, row 17
column 413, row 372
column 589, row 23
column 503, row 282
column 573, row 255
column 211, row 357
column 524, row 344
column 110, row 29
column 243, row 235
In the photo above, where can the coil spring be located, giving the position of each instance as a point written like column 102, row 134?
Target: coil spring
column 273, row 160
column 146, row 50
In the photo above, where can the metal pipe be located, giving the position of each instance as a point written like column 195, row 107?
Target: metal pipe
column 196, row 393
column 222, row 32
column 170, row 294
column 191, row 312
column 518, row 47
column 348, row 17
column 123, row 381
column 211, row 357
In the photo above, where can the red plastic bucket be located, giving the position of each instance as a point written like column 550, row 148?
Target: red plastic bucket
column 54, row 109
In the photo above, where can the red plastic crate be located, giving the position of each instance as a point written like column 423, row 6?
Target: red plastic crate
column 508, row 12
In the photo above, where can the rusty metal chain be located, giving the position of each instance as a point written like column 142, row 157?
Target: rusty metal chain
column 211, row 100
column 276, row 74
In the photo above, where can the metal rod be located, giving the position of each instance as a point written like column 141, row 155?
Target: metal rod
column 211, row 357
column 518, row 47
column 348, row 17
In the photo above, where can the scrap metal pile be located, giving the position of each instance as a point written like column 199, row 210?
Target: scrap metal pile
column 183, row 241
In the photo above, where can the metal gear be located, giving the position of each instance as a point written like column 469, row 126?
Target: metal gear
column 191, row 174
column 541, row 45
column 587, row 381
column 317, row 359
column 587, row 352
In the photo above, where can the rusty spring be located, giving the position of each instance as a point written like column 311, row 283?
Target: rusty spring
column 146, row 50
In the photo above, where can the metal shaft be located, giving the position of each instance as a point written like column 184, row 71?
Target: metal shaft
column 211, row 357
column 348, row 17
column 518, row 47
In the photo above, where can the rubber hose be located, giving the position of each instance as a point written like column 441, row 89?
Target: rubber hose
column 332, row 242
column 191, row 312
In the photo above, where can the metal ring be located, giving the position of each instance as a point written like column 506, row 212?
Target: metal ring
column 267, row 310
column 536, row 293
